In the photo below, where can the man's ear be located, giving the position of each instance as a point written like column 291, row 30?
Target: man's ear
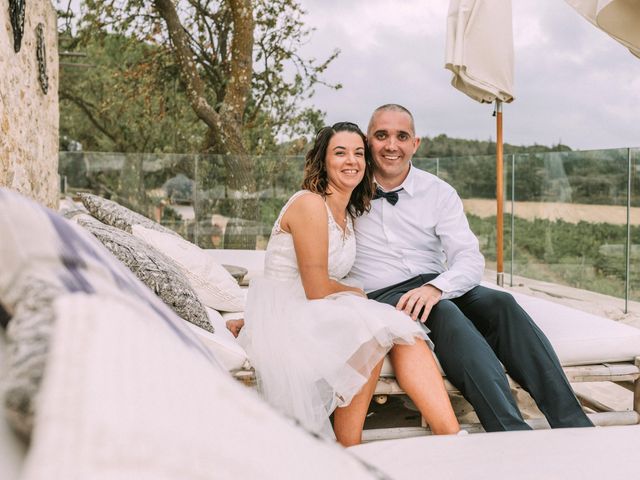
column 416, row 144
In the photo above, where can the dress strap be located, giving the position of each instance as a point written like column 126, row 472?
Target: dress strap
column 276, row 226
column 348, row 226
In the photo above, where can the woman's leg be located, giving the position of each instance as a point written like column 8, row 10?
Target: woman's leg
column 418, row 375
column 348, row 421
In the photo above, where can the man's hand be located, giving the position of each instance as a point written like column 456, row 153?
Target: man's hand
column 235, row 326
column 414, row 300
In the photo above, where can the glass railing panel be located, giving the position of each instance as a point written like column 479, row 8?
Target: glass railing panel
column 431, row 165
column 237, row 200
column 634, row 220
column 159, row 186
column 570, row 219
column 474, row 178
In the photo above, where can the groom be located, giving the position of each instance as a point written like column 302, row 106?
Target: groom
column 416, row 252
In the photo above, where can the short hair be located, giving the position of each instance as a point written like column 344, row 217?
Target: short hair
column 315, row 168
column 391, row 107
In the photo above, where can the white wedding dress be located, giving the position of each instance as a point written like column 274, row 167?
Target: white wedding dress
column 311, row 356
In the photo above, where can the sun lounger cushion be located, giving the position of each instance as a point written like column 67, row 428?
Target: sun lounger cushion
column 116, row 215
column 580, row 338
column 571, row 453
column 214, row 285
column 157, row 271
column 129, row 394
column 44, row 256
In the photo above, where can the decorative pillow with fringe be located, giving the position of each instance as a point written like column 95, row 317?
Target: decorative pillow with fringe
column 43, row 257
column 119, row 216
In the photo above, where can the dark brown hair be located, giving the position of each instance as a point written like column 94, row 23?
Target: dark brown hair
column 315, row 168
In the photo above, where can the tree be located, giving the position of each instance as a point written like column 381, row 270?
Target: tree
column 118, row 94
column 234, row 59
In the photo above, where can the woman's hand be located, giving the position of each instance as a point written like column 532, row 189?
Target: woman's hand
column 234, row 326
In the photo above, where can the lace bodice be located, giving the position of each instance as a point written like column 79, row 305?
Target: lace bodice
column 280, row 259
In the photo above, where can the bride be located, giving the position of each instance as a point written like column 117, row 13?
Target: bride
column 316, row 342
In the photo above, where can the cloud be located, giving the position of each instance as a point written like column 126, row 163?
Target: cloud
column 572, row 82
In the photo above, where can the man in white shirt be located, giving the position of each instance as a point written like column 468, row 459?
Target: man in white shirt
column 416, row 252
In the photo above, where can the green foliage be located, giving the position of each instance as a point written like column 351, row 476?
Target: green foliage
column 444, row 146
column 132, row 99
column 583, row 255
column 127, row 100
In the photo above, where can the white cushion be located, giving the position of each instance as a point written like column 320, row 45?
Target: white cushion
column 128, row 395
column 227, row 350
column 215, row 287
column 585, row 453
column 581, row 338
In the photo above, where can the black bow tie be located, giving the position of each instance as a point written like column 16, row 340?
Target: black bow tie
column 392, row 197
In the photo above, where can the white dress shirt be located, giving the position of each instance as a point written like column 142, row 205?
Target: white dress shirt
column 425, row 232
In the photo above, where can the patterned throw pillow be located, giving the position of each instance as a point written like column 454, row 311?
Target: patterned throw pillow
column 213, row 283
column 44, row 256
column 153, row 268
column 114, row 214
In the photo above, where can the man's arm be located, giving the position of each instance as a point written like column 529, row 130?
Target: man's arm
column 465, row 263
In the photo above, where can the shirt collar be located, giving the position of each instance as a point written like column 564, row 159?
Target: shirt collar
column 407, row 185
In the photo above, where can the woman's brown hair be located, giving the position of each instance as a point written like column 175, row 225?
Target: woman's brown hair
column 315, row 168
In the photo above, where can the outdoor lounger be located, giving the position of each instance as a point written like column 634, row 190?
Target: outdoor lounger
column 590, row 348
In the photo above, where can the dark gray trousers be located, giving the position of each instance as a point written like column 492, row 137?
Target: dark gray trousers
column 473, row 334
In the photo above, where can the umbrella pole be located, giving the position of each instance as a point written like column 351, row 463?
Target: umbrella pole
column 499, row 197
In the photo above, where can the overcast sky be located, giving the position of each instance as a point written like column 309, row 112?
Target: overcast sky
column 573, row 83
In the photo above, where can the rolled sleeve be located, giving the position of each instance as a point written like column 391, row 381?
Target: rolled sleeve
column 465, row 263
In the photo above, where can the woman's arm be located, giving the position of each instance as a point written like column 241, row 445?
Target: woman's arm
column 306, row 219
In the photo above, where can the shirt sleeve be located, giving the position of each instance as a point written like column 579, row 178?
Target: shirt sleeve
column 465, row 263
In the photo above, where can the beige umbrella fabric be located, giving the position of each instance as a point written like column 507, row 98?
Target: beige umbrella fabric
column 619, row 18
column 479, row 52
column 479, row 49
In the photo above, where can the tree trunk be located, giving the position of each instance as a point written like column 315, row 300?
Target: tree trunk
column 226, row 126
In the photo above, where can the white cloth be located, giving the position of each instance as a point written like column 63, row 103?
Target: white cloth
column 311, row 356
column 131, row 395
column 479, row 48
column 425, row 232
column 619, row 18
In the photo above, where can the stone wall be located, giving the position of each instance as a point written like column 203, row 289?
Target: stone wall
column 28, row 116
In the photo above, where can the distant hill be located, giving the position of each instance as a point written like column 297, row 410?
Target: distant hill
column 444, row 146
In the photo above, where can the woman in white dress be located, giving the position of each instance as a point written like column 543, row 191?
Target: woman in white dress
column 316, row 343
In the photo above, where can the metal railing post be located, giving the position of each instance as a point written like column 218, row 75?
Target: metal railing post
column 195, row 199
column 627, row 269
column 513, row 219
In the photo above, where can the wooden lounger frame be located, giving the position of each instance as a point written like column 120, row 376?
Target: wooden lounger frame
column 626, row 374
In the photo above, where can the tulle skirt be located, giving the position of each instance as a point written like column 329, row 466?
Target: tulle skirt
column 311, row 356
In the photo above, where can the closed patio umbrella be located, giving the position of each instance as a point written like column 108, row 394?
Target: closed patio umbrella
column 479, row 52
column 619, row 18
